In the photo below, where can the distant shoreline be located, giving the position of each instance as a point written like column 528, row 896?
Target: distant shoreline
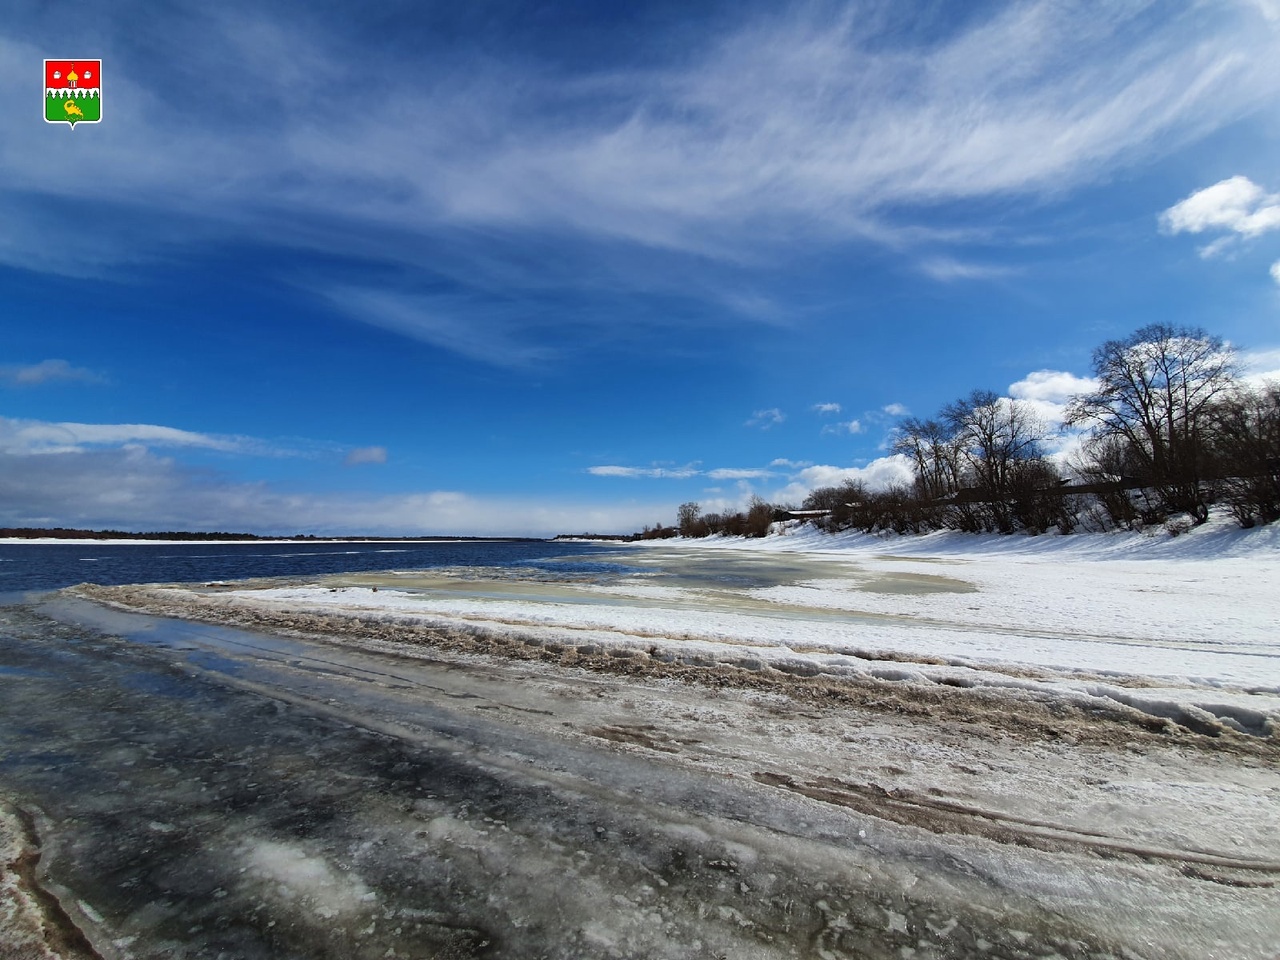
column 66, row 535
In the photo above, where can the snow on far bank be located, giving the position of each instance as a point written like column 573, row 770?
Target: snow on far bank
column 1219, row 538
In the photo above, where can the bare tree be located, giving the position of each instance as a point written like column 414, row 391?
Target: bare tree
column 843, row 502
column 1105, row 463
column 688, row 520
column 1036, row 503
column 1245, row 441
column 759, row 517
column 931, row 445
column 1155, row 390
column 995, row 436
column 830, row 498
column 897, row 508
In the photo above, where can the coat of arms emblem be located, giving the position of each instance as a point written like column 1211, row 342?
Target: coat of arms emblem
column 72, row 91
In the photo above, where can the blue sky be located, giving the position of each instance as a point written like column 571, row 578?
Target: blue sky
column 506, row 267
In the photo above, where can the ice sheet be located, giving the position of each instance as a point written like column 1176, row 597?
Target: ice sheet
column 1183, row 627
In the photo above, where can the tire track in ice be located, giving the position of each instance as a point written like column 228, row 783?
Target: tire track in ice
column 942, row 816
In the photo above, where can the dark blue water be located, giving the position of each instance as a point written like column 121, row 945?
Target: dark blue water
column 26, row 567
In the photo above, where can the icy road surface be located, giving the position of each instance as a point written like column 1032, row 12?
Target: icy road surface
column 359, row 781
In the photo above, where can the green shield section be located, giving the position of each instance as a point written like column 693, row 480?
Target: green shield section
column 73, row 109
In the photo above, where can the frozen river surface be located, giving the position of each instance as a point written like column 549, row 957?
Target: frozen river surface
column 181, row 789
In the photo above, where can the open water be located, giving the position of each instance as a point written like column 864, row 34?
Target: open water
column 39, row 566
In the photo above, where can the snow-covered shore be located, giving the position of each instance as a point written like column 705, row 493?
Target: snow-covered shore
column 1178, row 628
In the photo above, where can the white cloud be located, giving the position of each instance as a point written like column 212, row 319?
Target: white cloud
column 659, row 473
column 946, row 269
column 23, row 437
column 850, row 427
column 36, row 436
column 1260, row 366
column 731, row 473
column 879, row 474
column 1048, row 391
column 824, row 408
column 1217, row 247
column 46, row 371
column 1052, row 386
column 366, row 455
column 682, row 473
column 802, row 477
column 1238, row 205
column 764, row 419
column 895, row 409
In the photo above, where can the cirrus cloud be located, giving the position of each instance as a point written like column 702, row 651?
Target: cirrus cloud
column 361, row 455
column 653, row 473
column 37, row 436
column 850, row 427
column 764, row 419
column 739, row 473
column 816, row 121
column 46, row 371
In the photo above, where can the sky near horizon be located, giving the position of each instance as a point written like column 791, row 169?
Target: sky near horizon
column 531, row 268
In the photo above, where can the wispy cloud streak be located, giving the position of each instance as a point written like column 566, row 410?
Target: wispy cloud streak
column 35, row 437
column 683, row 171
column 46, row 371
column 806, row 123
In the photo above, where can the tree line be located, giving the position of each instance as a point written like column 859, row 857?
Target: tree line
column 1169, row 434
column 72, row 533
column 754, row 521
